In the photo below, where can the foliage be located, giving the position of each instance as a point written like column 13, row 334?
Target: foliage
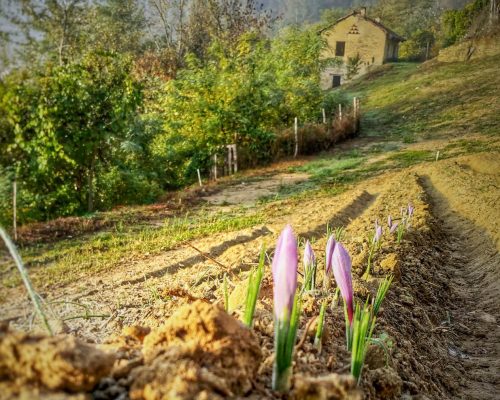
column 353, row 66
column 381, row 292
column 362, row 331
column 64, row 126
column 240, row 95
column 254, row 283
column 458, row 23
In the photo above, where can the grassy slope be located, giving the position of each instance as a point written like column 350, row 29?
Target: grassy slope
column 400, row 103
column 432, row 100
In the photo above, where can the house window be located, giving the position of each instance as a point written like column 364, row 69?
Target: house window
column 335, row 81
column 340, row 49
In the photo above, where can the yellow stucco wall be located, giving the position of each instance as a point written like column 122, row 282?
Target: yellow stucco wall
column 371, row 43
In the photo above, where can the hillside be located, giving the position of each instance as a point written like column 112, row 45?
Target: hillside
column 438, row 330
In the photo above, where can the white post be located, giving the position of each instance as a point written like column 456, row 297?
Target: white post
column 235, row 158
column 355, row 106
column 296, row 128
column 324, row 116
column 14, row 207
column 340, row 112
column 199, row 176
column 437, row 155
column 229, row 160
column 215, row 166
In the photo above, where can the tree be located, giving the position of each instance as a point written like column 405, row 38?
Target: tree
column 64, row 125
column 49, row 29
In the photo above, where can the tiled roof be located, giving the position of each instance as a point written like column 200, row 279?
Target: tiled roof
column 391, row 33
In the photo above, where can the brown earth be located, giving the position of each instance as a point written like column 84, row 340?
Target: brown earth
column 438, row 327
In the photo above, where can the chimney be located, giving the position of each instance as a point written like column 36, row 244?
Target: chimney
column 362, row 11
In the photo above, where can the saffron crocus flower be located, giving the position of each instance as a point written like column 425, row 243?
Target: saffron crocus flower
column 342, row 274
column 392, row 225
column 330, row 247
column 378, row 234
column 284, row 269
column 309, row 261
column 309, row 256
column 411, row 209
column 286, row 307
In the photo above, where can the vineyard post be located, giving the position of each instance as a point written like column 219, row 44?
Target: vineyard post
column 355, row 107
column 235, row 155
column 340, row 112
column 215, row 166
column 14, row 207
column 324, row 115
column 296, row 128
column 199, row 176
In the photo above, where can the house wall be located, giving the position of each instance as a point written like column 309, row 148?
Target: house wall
column 370, row 43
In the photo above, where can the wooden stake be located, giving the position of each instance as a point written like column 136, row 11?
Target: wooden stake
column 235, row 158
column 296, row 129
column 355, row 107
column 340, row 112
column 14, row 208
column 324, row 116
column 437, row 155
column 199, row 176
column 215, row 166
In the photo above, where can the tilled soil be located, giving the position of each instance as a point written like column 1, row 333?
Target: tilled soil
column 438, row 329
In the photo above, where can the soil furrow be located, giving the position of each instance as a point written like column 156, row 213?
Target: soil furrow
column 474, row 339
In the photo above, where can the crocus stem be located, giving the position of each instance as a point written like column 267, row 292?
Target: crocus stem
column 254, row 283
column 369, row 262
column 282, row 379
column 26, row 280
column 348, row 329
column 319, row 330
column 285, row 334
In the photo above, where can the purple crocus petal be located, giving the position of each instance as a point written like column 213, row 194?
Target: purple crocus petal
column 389, row 221
column 309, row 257
column 342, row 273
column 394, row 227
column 284, row 271
column 378, row 234
column 277, row 251
column 330, row 247
column 411, row 209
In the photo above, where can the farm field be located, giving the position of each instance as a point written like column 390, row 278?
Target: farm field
column 145, row 285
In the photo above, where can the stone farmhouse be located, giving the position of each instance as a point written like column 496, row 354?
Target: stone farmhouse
column 359, row 43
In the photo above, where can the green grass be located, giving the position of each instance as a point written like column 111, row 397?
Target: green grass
column 423, row 101
column 327, row 169
column 408, row 158
column 68, row 260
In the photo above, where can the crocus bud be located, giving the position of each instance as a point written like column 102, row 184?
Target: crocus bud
column 342, row 273
column 389, row 221
column 330, row 247
column 284, row 269
column 411, row 209
column 393, row 227
column 309, row 257
column 378, row 234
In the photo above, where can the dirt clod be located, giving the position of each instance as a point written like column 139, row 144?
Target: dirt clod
column 201, row 350
column 384, row 383
column 56, row 363
column 328, row 387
